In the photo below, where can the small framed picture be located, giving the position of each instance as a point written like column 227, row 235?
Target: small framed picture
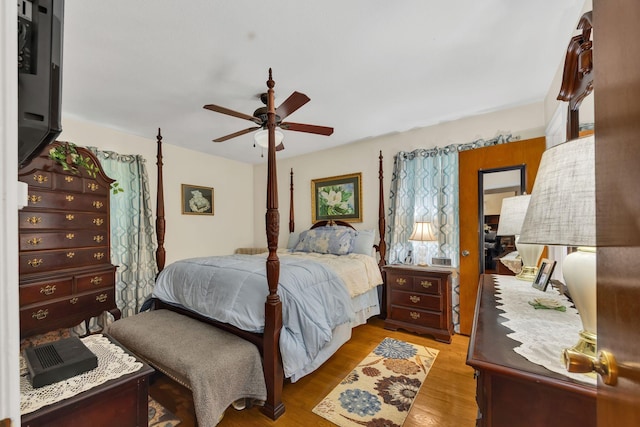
column 197, row 200
column 544, row 274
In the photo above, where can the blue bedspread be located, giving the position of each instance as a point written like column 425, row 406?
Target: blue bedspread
column 233, row 289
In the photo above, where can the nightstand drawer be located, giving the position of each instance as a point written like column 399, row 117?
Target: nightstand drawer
column 409, row 282
column 418, row 300
column 417, row 317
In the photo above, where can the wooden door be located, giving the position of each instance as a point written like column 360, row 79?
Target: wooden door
column 617, row 130
column 526, row 152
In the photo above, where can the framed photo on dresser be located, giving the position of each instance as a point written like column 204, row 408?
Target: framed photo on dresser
column 544, row 274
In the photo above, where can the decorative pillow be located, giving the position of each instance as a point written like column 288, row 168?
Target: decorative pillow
column 326, row 240
column 363, row 242
column 294, row 238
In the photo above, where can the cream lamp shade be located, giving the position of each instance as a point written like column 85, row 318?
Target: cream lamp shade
column 261, row 138
column 512, row 216
column 562, row 211
column 422, row 232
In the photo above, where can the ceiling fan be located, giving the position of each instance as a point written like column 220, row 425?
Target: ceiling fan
column 259, row 117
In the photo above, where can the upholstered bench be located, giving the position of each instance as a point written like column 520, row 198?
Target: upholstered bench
column 217, row 366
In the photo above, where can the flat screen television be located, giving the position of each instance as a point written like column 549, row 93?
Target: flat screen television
column 40, row 28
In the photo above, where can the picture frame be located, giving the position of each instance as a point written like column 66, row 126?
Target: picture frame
column 544, row 274
column 197, row 200
column 337, row 198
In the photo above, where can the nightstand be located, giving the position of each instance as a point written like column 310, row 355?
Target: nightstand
column 419, row 300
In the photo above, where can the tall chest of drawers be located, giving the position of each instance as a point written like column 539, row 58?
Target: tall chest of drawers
column 419, row 300
column 66, row 275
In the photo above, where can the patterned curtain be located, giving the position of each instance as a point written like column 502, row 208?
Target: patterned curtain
column 424, row 187
column 132, row 234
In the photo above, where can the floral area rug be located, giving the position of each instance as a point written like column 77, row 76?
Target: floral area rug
column 381, row 389
column 159, row 416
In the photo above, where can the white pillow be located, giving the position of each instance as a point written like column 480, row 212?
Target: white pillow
column 363, row 243
column 293, row 240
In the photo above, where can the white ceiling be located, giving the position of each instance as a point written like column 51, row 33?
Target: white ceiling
column 370, row 67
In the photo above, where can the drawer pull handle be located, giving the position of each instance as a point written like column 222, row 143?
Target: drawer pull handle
column 35, row 263
column 101, row 298
column 426, row 284
column 68, row 178
column 70, row 217
column 98, row 255
column 93, row 186
column 69, row 198
column 70, row 236
column 48, row 290
column 35, row 241
column 98, row 221
column 73, row 300
column 34, row 220
column 414, row 315
column 71, row 254
column 414, row 298
column 35, row 199
column 98, row 238
column 97, row 204
column 40, row 178
column 96, row 280
column 40, row 314
column 400, row 281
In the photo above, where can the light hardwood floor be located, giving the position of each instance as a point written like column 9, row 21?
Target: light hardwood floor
column 446, row 399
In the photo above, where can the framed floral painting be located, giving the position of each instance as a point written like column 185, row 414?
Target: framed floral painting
column 197, row 200
column 337, row 198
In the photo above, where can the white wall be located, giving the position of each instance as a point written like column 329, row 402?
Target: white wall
column 9, row 320
column 527, row 121
column 186, row 235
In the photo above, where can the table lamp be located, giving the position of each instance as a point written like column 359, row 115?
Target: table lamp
column 562, row 212
column 422, row 232
column 512, row 216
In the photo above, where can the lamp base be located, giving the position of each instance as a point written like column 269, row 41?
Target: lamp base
column 527, row 273
column 586, row 345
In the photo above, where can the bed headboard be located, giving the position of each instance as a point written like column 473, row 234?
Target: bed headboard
column 332, row 222
column 577, row 77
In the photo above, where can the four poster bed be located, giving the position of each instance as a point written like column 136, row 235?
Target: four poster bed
column 289, row 346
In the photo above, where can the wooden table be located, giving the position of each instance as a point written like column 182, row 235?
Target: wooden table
column 120, row 402
column 511, row 391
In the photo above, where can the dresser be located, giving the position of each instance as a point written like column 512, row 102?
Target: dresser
column 511, row 391
column 121, row 401
column 418, row 299
column 66, row 275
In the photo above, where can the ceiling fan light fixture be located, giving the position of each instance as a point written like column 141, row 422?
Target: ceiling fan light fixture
column 261, row 138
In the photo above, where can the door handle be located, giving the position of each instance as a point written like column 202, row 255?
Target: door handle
column 465, row 253
column 605, row 365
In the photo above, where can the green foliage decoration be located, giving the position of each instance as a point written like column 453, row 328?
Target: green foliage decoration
column 66, row 154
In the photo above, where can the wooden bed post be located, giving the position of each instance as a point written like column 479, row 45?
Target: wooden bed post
column 382, row 245
column 292, row 222
column 160, row 222
column 273, row 372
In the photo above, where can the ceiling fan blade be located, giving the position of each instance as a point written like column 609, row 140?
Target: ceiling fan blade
column 300, row 127
column 291, row 104
column 233, row 135
column 218, row 109
column 280, row 147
